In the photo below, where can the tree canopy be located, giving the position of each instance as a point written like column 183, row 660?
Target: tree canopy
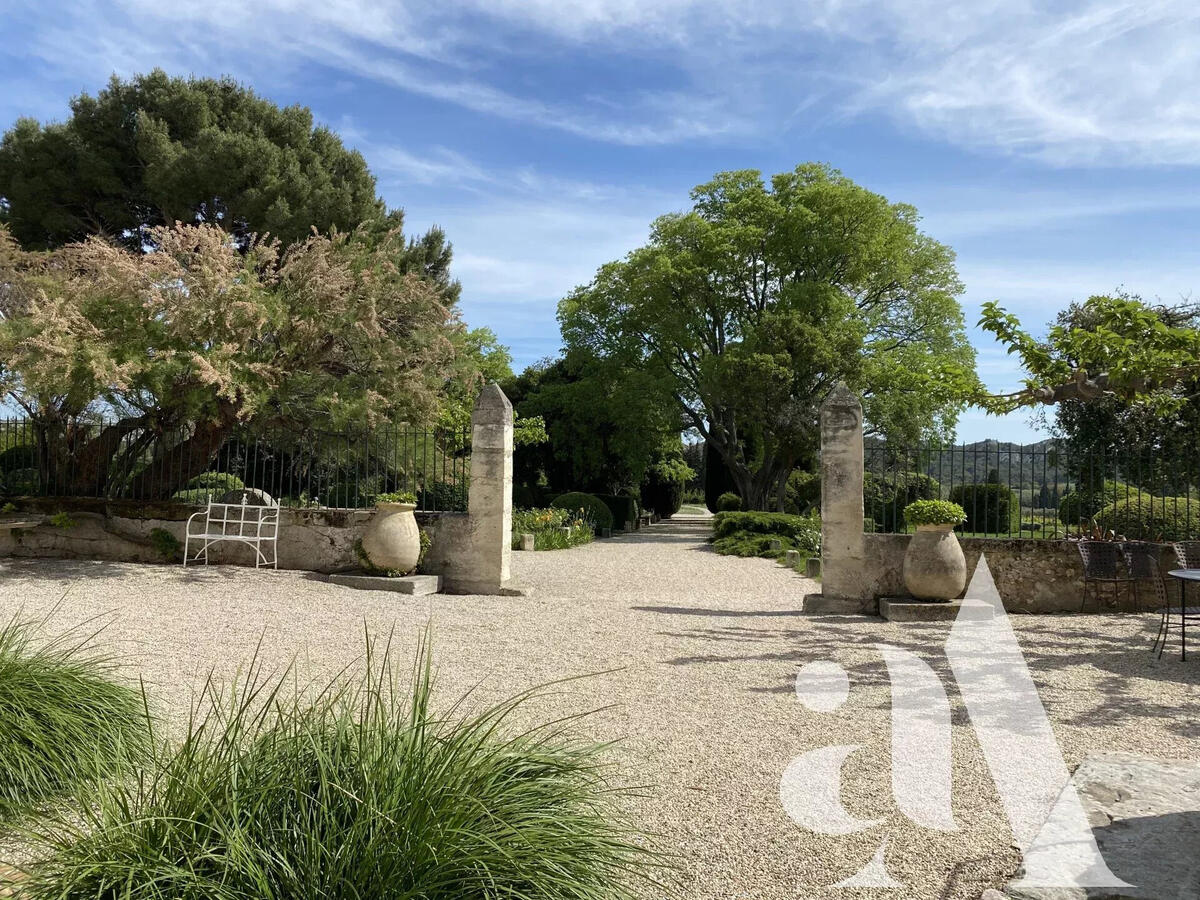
column 1151, row 433
column 182, row 344
column 155, row 150
column 748, row 308
column 1110, row 346
column 604, row 428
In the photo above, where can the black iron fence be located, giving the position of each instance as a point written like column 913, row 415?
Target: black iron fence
column 338, row 469
column 1037, row 490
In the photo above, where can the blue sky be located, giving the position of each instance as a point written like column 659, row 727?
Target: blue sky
column 1053, row 145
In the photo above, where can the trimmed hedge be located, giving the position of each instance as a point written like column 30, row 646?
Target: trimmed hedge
column 208, row 485
column 663, row 497
column 624, row 509
column 718, row 479
column 886, row 495
column 1141, row 517
column 729, row 502
column 751, row 533
column 1081, row 504
column 803, row 492
column 990, row 508
column 593, row 508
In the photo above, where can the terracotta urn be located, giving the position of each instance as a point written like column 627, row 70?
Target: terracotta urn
column 934, row 565
column 391, row 539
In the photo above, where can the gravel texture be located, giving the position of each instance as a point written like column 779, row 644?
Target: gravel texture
column 695, row 658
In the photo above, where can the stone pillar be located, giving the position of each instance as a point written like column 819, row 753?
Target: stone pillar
column 844, row 576
column 484, row 568
column 472, row 552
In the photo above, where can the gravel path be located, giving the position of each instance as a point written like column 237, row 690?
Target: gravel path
column 698, row 655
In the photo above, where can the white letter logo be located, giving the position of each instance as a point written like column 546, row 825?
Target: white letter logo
column 1014, row 733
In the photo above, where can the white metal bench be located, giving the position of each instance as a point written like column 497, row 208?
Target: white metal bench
column 245, row 523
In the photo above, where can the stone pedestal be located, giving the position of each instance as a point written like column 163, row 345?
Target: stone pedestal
column 843, row 558
column 472, row 552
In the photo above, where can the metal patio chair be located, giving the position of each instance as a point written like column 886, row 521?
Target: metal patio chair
column 1188, row 554
column 1142, row 564
column 1103, row 563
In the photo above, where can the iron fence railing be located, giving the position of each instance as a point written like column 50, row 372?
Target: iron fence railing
column 1037, row 490
column 320, row 468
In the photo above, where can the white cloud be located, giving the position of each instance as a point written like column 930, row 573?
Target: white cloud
column 1101, row 81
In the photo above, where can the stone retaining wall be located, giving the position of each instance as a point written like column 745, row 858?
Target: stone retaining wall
column 1032, row 575
column 311, row 540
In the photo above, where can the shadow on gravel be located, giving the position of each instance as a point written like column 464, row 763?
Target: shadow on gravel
column 732, row 613
column 1115, row 648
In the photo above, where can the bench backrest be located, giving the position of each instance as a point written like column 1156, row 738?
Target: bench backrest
column 242, row 520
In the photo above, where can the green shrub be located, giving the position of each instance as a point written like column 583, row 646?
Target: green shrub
column 397, row 497
column 218, row 482
column 530, row 496
column 624, row 509
column 1081, row 504
column 165, row 544
column 751, row 533
column 358, row 788
column 934, row 512
column 593, row 509
column 662, row 488
column 547, row 527
column 1142, row 517
column 662, row 497
column 803, row 492
column 729, row 502
column 22, row 456
column 62, row 520
column 886, row 495
column 64, row 721
column 208, row 486
column 446, row 495
column 990, row 508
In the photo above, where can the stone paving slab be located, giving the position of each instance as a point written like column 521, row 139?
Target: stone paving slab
column 905, row 609
column 416, row 585
column 1145, row 815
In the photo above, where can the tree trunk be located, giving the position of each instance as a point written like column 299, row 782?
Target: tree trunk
column 187, row 459
column 92, row 461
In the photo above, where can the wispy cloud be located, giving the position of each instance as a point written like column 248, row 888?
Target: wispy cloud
column 1100, row 82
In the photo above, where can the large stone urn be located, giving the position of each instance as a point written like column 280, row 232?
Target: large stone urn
column 934, row 565
column 392, row 539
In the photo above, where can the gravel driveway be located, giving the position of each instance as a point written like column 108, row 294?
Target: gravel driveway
column 698, row 655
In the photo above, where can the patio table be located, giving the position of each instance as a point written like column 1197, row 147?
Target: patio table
column 1185, row 612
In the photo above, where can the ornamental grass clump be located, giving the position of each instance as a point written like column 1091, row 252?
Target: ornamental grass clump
column 352, row 789
column 65, row 719
column 934, row 512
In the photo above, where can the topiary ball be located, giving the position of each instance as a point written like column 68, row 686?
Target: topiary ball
column 593, row 508
column 729, row 502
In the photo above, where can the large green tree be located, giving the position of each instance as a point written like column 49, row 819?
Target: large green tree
column 748, row 308
column 605, row 427
column 155, row 150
